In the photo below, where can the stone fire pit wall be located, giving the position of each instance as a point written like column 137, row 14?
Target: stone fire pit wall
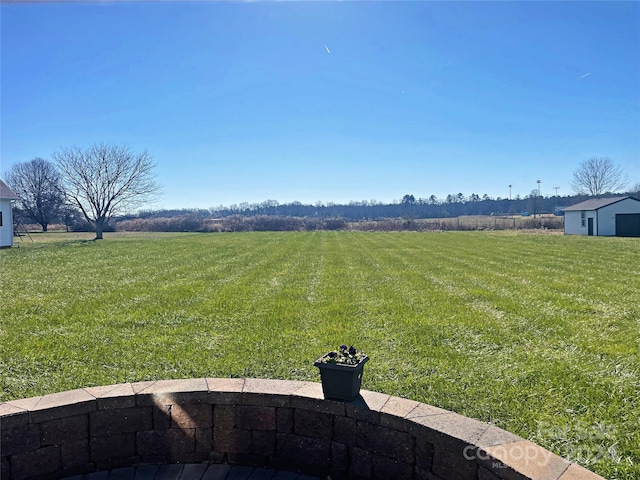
column 281, row 424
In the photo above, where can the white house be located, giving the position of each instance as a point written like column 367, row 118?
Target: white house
column 6, row 215
column 615, row 216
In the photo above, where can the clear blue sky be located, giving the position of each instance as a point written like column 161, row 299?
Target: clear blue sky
column 328, row 101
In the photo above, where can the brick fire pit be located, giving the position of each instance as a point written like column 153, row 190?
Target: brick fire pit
column 280, row 424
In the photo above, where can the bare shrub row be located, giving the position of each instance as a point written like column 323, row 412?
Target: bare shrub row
column 234, row 223
column 271, row 223
column 396, row 224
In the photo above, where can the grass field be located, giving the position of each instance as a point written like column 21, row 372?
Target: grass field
column 539, row 334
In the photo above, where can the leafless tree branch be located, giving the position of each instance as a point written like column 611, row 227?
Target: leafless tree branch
column 597, row 176
column 106, row 180
column 37, row 183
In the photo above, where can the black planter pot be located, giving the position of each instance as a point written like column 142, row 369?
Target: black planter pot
column 340, row 381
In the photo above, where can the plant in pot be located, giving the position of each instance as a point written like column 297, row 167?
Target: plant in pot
column 341, row 373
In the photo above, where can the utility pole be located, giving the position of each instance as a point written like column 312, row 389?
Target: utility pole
column 556, row 189
column 535, row 199
column 510, row 192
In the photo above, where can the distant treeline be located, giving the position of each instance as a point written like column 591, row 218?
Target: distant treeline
column 272, row 223
column 408, row 214
column 408, row 208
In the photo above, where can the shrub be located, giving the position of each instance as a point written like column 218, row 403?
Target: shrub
column 334, row 224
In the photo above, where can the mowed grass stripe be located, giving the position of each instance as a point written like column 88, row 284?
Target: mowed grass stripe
column 532, row 346
column 536, row 333
column 550, row 362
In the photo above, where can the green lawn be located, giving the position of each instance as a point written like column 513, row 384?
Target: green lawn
column 538, row 334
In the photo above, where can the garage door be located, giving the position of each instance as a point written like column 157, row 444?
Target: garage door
column 628, row 224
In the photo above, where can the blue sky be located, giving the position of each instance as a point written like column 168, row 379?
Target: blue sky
column 328, row 101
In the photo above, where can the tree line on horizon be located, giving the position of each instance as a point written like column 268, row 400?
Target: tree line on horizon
column 409, row 207
column 375, row 210
column 92, row 189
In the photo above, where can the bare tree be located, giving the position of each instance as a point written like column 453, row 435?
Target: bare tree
column 37, row 183
column 596, row 176
column 106, row 180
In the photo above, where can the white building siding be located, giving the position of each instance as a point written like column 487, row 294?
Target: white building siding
column 604, row 218
column 607, row 215
column 573, row 222
column 6, row 230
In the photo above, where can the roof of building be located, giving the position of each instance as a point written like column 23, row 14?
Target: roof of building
column 6, row 193
column 597, row 203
